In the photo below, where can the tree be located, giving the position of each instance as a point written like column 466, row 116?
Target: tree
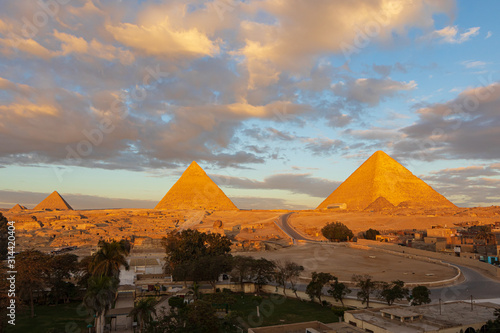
column 420, row 295
column 101, row 292
column 287, row 271
column 366, row 286
column 60, row 268
column 262, row 272
column 394, row 291
column 4, row 237
column 242, row 266
column 336, row 231
column 144, row 310
column 32, row 267
column 197, row 317
column 484, row 234
column 190, row 245
column 294, row 271
column 109, row 258
column 209, row 268
column 371, row 234
column 315, row 288
column 338, row 290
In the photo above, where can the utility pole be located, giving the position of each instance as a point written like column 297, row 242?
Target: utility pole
column 471, row 303
column 440, row 306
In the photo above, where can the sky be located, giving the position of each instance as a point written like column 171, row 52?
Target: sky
column 108, row 101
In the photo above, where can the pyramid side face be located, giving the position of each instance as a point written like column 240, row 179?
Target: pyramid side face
column 382, row 176
column 195, row 191
column 54, row 202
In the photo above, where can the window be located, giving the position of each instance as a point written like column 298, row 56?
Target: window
column 353, row 323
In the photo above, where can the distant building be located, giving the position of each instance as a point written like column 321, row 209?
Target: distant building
column 450, row 317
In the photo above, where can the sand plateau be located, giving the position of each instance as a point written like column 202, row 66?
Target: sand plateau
column 382, row 176
column 195, row 190
column 17, row 208
column 53, row 202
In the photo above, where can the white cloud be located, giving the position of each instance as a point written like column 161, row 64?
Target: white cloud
column 488, row 35
column 451, row 35
column 473, row 64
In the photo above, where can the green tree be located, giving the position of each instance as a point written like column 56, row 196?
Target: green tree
column 315, row 288
column 287, row 271
column 242, row 266
column 393, row 291
column 109, row 258
column 197, row 317
column 61, row 267
column 190, row 245
column 366, row 286
column 209, row 268
column 144, row 310
column 32, row 267
column 262, row 272
column 338, row 290
column 99, row 297
column 336, row 231
column 4, row 237
column 420, row 295
column 371, row 234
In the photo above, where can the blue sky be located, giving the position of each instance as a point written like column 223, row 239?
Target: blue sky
column 108, row 101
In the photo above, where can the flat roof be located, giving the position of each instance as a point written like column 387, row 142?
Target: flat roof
column 435, row 316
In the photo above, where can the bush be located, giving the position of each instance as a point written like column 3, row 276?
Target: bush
column 336, row 231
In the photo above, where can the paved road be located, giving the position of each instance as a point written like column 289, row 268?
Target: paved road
column 282, row 223
column 475, row 284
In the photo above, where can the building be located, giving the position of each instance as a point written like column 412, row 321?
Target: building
column 452, row 317
column 308, row 327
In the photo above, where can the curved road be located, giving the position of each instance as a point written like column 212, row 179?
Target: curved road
column 476, row 284
column 282, row 223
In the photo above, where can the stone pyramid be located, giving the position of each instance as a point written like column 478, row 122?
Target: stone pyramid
column 379, row 204
column 196, row 191
column 17, row 208
column 53, row 202
column 382, row 176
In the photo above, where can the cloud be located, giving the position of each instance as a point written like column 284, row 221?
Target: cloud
column 371, row 91
column 488, row 35
column 451, row 35
column 473, row 64
column 467, row 127
column 161, row 39
column 323, row 146
column 468, row 186
column 295, row 183
column 265, row 203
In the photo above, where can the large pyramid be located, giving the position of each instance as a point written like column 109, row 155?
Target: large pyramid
column 53, row 202
column 195, row 190
column 382, row 176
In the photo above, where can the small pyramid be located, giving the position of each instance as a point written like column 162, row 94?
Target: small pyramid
column 17, row 208
column 53, row 202
column 379, row 204
column 196, row 191
column 382, row 176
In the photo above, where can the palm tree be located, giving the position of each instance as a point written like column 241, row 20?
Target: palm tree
column 144, row 309
column 109, row 258
column 101, row 292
